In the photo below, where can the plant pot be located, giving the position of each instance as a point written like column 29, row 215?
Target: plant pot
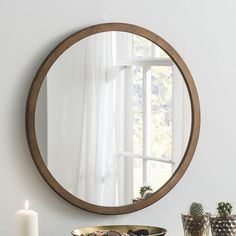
column 223, row 226
column 196, row 225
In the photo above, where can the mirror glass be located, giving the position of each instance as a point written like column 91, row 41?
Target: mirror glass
column 113, row 118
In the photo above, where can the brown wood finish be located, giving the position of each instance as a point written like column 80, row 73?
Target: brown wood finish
column 31, row 107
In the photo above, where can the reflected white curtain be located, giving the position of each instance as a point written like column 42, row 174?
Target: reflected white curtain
column 97, row 175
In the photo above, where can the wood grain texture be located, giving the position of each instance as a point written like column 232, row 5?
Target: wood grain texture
column 31, row 107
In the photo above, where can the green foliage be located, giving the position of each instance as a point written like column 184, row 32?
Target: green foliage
column 224, row 209
column 143, row 190
column 196, row 209
column 147, row 194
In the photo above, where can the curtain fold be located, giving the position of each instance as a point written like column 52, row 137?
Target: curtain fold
column 97, row 160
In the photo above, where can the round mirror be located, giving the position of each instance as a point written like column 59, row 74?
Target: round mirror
column 113, row 118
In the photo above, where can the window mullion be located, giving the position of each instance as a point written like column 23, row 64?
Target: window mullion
column 153, row 50
column 128, row 144
column 146, row 121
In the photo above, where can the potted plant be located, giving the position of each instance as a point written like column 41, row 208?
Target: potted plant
column 223, row 224
column 196, row 221
column 145, row 191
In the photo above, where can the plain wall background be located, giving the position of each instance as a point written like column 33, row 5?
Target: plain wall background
column 202, row 31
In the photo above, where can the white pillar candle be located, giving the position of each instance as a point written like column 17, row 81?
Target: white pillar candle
column 26, row 222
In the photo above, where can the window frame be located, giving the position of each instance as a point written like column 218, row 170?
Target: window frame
column 125, row 61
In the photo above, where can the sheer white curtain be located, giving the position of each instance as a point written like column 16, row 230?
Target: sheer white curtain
column 97, row 164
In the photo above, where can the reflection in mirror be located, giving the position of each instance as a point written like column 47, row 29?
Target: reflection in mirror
column 113, row 116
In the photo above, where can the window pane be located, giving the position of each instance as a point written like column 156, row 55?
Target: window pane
column 142, row 47
column 161, row 111
column 145, row 48
column 138, row 176
column 160, row 53
column 158, row 173
column 137, row 109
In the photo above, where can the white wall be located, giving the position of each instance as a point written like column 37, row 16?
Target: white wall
column 202, row 31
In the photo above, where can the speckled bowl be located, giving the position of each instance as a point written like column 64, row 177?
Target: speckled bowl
column 122, row 229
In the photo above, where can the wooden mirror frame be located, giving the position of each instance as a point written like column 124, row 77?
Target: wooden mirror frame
column 31, row 107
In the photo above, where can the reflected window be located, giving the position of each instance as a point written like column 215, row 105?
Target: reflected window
column 146, row 142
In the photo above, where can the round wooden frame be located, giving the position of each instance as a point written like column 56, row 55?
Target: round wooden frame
column 31, row 107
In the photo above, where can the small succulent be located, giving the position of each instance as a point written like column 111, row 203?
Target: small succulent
column 143, row 189
column 224, row 209
column 196, row 209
